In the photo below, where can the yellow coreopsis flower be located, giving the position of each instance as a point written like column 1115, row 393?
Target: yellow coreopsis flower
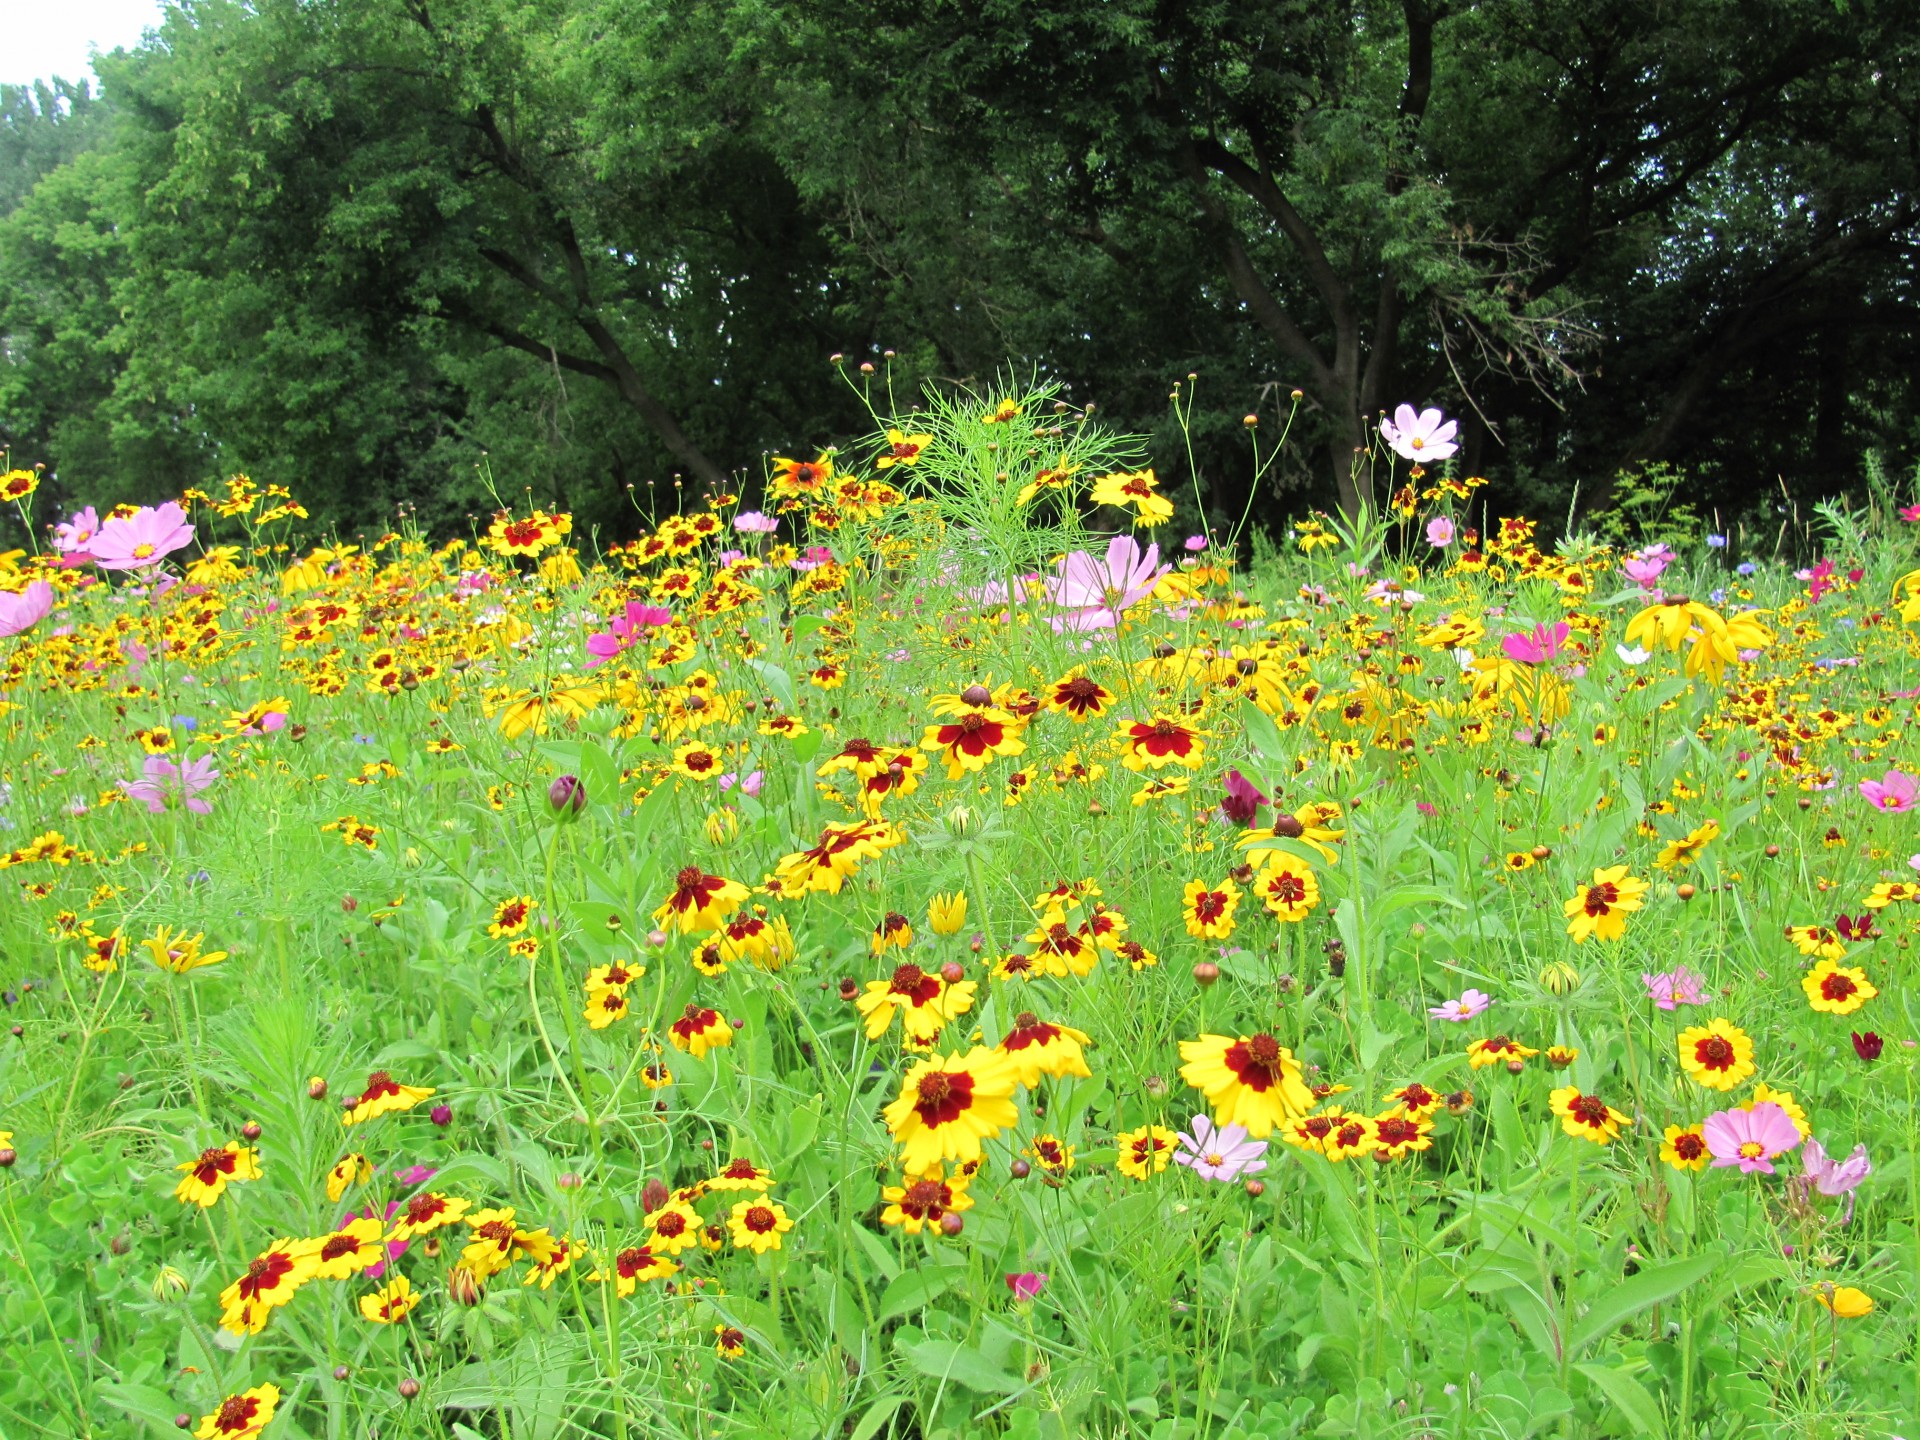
column 1252, row 1081
column 948, row 1105
column 178, row 953
column 1602, row 907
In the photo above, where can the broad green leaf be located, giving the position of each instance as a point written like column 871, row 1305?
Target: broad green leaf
column 962, row 1365
column 1623, row 1393
column 913, row 1289
column 1642, row 1291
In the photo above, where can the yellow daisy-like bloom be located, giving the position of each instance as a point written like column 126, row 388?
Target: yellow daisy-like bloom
column 920, row 1200
column 757, row 1225
column 391, row 1303
column 348, row 1250
column 1252, row 1081
column 426, row 1212
column 699, row 1030
column 902, row 449
column 1035, row 1047
column 177, row 952
column 742, row 1174
column 544, row 1272
column 1685, row 851
column 894, row 932
column 1890, row 892
column 1352, row 1137
column 1310, row 1132
column 1157, row 743
column 632, row 1267
column 947, row 914
column 271, row 1279
column 1587, row 1117
column 511, row 915
column 1415, row 1101
column 1844, row 1301
column 497, row 1242
column 1601, row 908
column 616, row 976
column 1208, row 909
column 354, row 1169
column 208, row 1175
column 1137, row 491
column 675, row 1226
column 948, row 1105
column 699, row 902
column 1718, row 1055
column 1821, row 940
column 1835, row 989
column 1668, row 623
column 605, row 1007
column 384, row 1096
column 969, row 740
column 1684, row 1147
column 1288, row 888
column 924, row 1002
column 1144, row 1152
column 240, row 1417
column 1498, row 1050
column 1398, row 1134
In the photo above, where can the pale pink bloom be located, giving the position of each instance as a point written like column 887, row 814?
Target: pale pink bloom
column 1470, row 1004
column 1895, row 792
column 21, row 611
column 625, row 631
column 76, row 533
column 143, row 539
column 1536, row 646
column 812, row 558
column 1425, row 436
column 1220, row 1154
column 1834, row 1177
column 1672, row 988
column 1196, row 543
column 753, row 522
column 1095, row 593
column 164, row 780
column 1439, row 532
column 1750, row 1138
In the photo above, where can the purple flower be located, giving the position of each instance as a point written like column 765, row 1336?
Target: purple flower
column 1243, row 802
column 142, row 539
column 163, row 779
column 1834, row 1177
column 753, row 522
column 1671, row 988
column 1894, row 793
column 1439, row 532
column 75, row 535
column 1750, row 1138
column 1425, row 436
column 1095, row 593
column 1026, row 1285
column 1470, row 1004
column 21, row 611
column 1535, row 646
column 441, row 1115
column 1220, row 1154
column 625, row 631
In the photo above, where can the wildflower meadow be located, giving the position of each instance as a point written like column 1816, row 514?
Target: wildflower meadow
column 925, row 947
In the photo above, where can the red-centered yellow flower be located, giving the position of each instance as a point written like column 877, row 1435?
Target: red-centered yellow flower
column 1352, row 1137
column 560, row 1260
column 1050, row 1154
column 391, row 1303
column 384, row 1096
column 1058, row 949
column 354, row 1169
column 617, row 976
column 511, row 915
column 1718, row 1055
column 902, row 449
column 1890, row 892
column 729, row 1341
column 969, row 740
column 675, row 1226
column 1157, row 743
column 497, row 1242
column 1288, row 888
column 1820, row 940
column 1685, row 851
column 426, row 1212
column 1144, row 1152
column 825, row 867
column 1399, row 1134
column 1498, row 1050
column 1601, row 908
column 1685, row 1148
column 700, row 1029
column 632, row 1268
column 1415, row 1101
column 924, row 1003
column 604, row 1008
column 1079, row 696
column 347, row 1251
column 1835, row 989
column 1034, row 1047
column 894, row 931
column 1138, row 492
column 1310, row 1132
column 1587, row 1117
column 539, row 531
column 919, row 1201
column 208, row 1175
column 757, row 1225
column 1252, row 1081
column 767, row 943
column 801, row 479
column 179, row 953
column 1208, row 909
column 240, row 1417
column 272, row 1277
column 948, row 1104
column 742, row 1174
column 699, row 902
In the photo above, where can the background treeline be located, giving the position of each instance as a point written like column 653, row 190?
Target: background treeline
column 367, row 247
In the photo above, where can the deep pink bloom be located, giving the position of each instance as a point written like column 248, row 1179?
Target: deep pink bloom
column 1910, row 512
column 1420, row 437
column 143, row 539
column 1243, row 802
column 625, row 631
column 76, row 534
column 1095, row 593
column 812, row 558
column 1220, row 1154
column 1750, row 1138
column 1643, row 567
column 21, row 610
column 1536, row 646
column 1470, row 1004
column 1672, row 988
column 1868, row 1046
column 1027, row 1284
column 165, row 780
column 1895, row 793
column 395, row 1248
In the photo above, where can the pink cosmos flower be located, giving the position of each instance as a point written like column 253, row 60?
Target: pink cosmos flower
column 1834, row 1177
column 1440, row 532
column 1750, row 1138
column 1910, row 512
column 1672, row 988
column 1536, row 646
column 143, row 539
column 75, row 534
column 1470, row 1004
column 625, row 631
column 812, row 558
column 1095, row 593
column 1894, row 793
column 753, row 522
column 165, row 780
column 21, row 611
column 1195, row 543
column 1644, row 567
column 1425, row 436
column 1027, row 1284
column 1220, row 1154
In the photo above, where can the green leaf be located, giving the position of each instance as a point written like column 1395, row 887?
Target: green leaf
column 912, row 1289
column 878, row 1414
column 947, row 1360
column 777, row 680
column 805, row 625
column 1642, row 1292
column 141, row 1401
column 1262, row 733
column 1625, row 1394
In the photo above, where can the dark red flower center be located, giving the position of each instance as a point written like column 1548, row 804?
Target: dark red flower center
column 1590, row 1110
column 1689, row 1146
column 672, row 1225
column 1715, row 1053
column 1396, row 1130
column 740, row 1170
column 759, row 1219
column 630, row 1262
column 213, row 1164
column 236, row 1412
column 422, row 1208
column 943, row 1096
column 1256, row 1062
column 1837, row 986
column 1601, row 898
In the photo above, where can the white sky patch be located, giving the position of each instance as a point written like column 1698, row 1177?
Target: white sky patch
column 43, row 38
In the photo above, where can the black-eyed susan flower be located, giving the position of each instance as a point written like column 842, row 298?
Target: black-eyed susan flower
column 384, row 1096
column 699, row 902
column 1144, row 1152
column 1035, row 1047
column 741, row 1173
column 1078, row 696
column 1137, row 491
column 1601, row 908
column 1835, row 989
column 924, row 1002
column 757, row 1224
column 675, row 1226
column 1208, row 909
column 1587, row 1117
column 349, row 1170
column 700, row 1029
column 969, row 740
column 1288, row 889
column 391, row 1303
column 239, row 1417
column 1498, row 1050
column 270, row 1281
column 1159, row 742
column 511, row 916
column 1398, row 1134
column 1251, row 1081
column 426, row 1212
column 604, row 1008
column 1415, row 1101
column 345, row 1252
column 1718, row 1055
column 208, row 1175
column 949, row 1104
column 1684, row 1147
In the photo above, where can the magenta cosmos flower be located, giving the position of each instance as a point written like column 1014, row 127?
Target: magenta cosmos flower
column 1470, row 1004
column 1895, row 793
column 1425, row 436
column 165, row 780
column 1027, row 1284
column 626, row 631
column 142, row 539
column 1215, row 1154
column 1535, row 646
column 1751, row 1137
column 1095, row 593
column 1243, row 799
column 20, row 612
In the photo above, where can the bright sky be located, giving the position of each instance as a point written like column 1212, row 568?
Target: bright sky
column 43, row 38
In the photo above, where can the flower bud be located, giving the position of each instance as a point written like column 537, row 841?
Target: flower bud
column 1543, row 852
column 1289, row 827
column 1516, row 1067
column 1559, row 978
column 977, row 695
column 1155, row 1085
column 1256, row 1188
column 1019, row 1169
column 1561, row 1056
column 250, row 1131
column 341, row 1372
column 317, row 1088
column 7, row 1157
column 349, row 904
column 1773, row 852
column 952, row 1224
column 408, row 1387
column 1205, row 973
column 441, row 1115
column 1250, row 421
column 953, row 972
column 183, row 1421
column 569, row 1180
column 849, row 988
column 653, row 1195
column 168, row 1284
column 566, row 797
column 1685, row 892
column 463, row 1286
